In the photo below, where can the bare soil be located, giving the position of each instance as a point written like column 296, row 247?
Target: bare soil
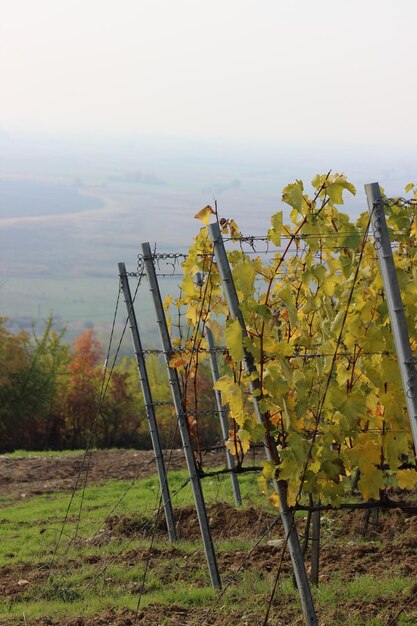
column 21, row 477
column 389, row 548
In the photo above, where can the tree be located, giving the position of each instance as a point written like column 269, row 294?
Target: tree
column 32, row 380
column 82, row 400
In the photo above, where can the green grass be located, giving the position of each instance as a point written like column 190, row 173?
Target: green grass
column 86, row 578
column 32, row 453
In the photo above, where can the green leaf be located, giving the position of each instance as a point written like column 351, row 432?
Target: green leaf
column 335, row 190
column 293, row 195
column 274, row 233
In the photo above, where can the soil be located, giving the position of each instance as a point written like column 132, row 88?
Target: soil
column 21, row 477
column 388, row 547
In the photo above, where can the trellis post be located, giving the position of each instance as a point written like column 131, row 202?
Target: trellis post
column 279, row 485
column 395, row 305
column 315, row 546
column 182, row 418
column 149, row 405
column 221, row 411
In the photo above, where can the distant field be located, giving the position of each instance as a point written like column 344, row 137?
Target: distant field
column 26, row 198
column 78, row 303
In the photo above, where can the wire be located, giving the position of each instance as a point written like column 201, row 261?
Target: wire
column 241, row 566
column 134, row 536
column 87, row 454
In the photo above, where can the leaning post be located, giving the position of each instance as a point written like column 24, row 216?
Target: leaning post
column 395, row 305
column 279, row 485
column 149, row 405
column 221, row 411
column 182, row 418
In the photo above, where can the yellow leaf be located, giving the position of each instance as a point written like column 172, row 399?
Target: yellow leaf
column 407, row 479
column 204, row 214
column 233, row 395
column 231, row 446
column 292, row 194
column 234, row 229
column 268, row 470
column 315, row 466
column 188, row 287
column 244, row 276
column 274, row 499
column 413, row 229
column 243, row 436
column 177, row 361
column 371, row 481
column 263, row 484
column 193, row 313
column 239, row 443
column 233, row 337
column 274, row 233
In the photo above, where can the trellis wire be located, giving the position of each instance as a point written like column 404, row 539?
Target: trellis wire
column 287, row 518
column 149, row 407
column 87, row 451
column 182, row 422
column 250, row 241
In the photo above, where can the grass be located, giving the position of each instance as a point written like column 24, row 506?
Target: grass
column 87, row 579
column 18, row 454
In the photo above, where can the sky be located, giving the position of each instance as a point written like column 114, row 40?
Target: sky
column 262, row 70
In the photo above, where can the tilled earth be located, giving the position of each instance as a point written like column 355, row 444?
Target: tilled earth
column 29, row 476
column 389, row 548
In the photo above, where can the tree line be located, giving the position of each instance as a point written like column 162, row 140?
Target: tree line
column 56, row 395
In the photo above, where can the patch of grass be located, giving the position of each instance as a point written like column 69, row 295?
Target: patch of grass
column 88, row 578
column 33, row 453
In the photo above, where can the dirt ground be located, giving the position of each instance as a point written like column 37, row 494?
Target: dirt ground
column 389, row 547
column 34, row 475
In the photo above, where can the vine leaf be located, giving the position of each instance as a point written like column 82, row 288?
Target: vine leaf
column 204, row 214
column 239, row 443
column 233, row 337
column 274, row 233
column 371, row 481
column 407, row 479
column 292, row 194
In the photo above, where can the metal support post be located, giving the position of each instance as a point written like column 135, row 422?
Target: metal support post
column 182, row 418
column 405, row 358
column 222, row 416
column 315, row 547
column 149, row 406
column 280, row 486
column 221, row 411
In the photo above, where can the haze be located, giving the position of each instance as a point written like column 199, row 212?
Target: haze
column 118, row 121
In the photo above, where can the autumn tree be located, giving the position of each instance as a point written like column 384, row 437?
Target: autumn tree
column 31, row 379
column 82, row 401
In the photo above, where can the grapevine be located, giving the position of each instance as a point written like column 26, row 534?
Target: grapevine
column 318, row 330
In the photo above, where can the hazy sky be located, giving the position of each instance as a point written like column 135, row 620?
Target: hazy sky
column 329, row 70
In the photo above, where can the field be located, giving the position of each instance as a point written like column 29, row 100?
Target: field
column 111, row 562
